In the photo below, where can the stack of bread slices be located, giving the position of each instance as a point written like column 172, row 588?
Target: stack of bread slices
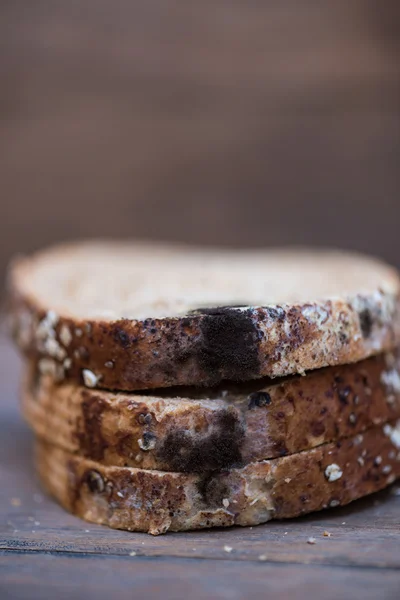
column 175, row 388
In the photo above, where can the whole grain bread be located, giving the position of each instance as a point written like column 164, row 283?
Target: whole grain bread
column 208, row 429
column 157, row 501
column 132, row 317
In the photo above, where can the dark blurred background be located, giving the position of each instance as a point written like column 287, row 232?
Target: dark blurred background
column 208, row 121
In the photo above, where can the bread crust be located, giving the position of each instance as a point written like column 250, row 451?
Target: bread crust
column 209, row 346
column 205, row 429
column 155, row 501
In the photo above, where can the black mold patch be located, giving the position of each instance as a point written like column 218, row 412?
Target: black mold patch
column 94, row 481
column 277, row 313
column 121, row 337
column 259, row 399
column 228, row 347
column 366, row 322
column 219, row 448
column 216, row 310
column 344, row 394
column 212, row 489
column 148, row 440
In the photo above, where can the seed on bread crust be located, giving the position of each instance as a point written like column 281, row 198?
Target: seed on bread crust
column 391, row 379
column 65, row 335
column 333, row 472
column 47, row 366
column 393, row 433
column 90, row 379
column 47, row 324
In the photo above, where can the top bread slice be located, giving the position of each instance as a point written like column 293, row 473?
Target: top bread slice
column 136, row 316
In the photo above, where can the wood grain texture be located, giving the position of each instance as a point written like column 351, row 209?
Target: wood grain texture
column 29, row 576
column 47, row 553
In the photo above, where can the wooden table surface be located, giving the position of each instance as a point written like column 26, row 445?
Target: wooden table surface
column 47, row 553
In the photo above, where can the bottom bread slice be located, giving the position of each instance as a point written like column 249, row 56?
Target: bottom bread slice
column 157, row 501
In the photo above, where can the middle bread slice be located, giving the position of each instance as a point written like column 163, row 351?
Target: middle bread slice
column 201, row 430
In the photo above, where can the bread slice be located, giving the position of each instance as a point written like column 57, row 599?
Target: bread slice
column 131, row 316
column 156, row 501
column 208, row 429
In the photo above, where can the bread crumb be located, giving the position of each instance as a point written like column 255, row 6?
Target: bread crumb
column 225, row 502
column 287, row 480
column 311, row 540
column 327, row 534
column 228, row 548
